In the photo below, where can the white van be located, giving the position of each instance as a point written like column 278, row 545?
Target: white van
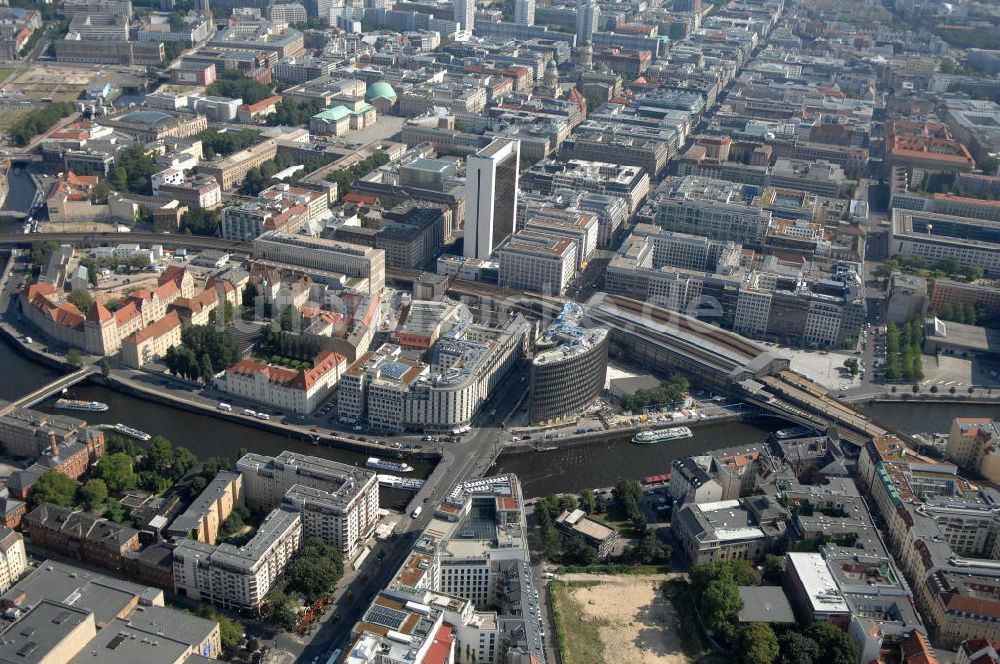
column 263, row 416
column 249, row 413
column 417, row 512
column 225, row 407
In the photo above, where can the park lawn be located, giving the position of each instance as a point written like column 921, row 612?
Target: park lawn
column 615, row 518
column 578, row 639
column 8, row 118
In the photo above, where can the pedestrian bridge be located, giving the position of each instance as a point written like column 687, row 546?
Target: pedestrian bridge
column 46, row 391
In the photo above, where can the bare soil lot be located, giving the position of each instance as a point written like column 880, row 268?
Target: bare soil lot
column 624, row 618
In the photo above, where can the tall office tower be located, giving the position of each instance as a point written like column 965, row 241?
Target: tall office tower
column 465, row 14
column 524, row 12
column 588, row 14
column 490, row 196
column 203, row 6
column 318, row 8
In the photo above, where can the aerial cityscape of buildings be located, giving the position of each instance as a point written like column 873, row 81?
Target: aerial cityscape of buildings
column 406, row 280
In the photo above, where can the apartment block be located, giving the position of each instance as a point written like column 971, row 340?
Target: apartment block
column 238, row 577
column 336, row 502
column 203, row 517
column 13, row 559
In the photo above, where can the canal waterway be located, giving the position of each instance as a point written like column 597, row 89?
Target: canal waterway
column 202, row 434
column 22, row 190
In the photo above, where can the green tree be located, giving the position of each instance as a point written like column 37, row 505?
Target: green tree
column 758, row 644
column 53, row 487
column 774, row 568
column 37, row 121
column 235, row 84
column 651, row 550
column 206, row 372
column 73, row 357
column 835, row 646
column 744, row 574
column 588, row 501
column 719, row 605
column 115, row 512
column 198, row 484
column 133, row 170
column 158, row 455
column 290, row 319
column 230, row 632
column 93, row 494
column 117, row 472
column 797, row 648
column 279, row 610
column 627, row 491
column 577, row 551
column 316, row 570
column 200, row 221
column 221, row 347
column 105, row 367
column 81, row 299
column 183, row 461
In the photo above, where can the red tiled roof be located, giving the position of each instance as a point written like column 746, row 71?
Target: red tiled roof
column 65, row 314
column 262, row 104
column 916, row 649
column 173, row 273
column 157, row 329
column 126, row 313
column 99, row 313
column 441, row 647
column 361, row 199
column 302, row 379
column 981, row 607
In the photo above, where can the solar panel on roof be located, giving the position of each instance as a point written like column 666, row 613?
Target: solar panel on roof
column 386, row 617
column 394, row 370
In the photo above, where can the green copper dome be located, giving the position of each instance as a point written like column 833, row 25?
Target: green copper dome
column 380, row 90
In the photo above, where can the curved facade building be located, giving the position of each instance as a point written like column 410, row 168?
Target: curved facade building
column 569, row 367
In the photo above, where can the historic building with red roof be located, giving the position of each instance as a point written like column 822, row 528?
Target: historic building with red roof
column 297, row 390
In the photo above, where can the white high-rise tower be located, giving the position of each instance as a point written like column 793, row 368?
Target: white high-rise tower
column 588, row 15
column 465, row 14
column 524, row 12
column 490, row 196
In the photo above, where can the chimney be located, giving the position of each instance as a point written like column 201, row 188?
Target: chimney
column 53, row 444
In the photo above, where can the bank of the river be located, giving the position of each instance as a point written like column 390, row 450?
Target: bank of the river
column 610, row 458
column 204, row 435
column 554, row 444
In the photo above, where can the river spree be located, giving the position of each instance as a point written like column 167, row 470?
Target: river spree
column 22, row 190
column 202, row 434
column 572, row 468
column 604, row 463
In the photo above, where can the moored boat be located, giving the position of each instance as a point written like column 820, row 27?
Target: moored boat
column 661, row 435
column 394, row 466
column 75, row 404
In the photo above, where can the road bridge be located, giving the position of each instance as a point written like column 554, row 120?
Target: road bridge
column 51, row 389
